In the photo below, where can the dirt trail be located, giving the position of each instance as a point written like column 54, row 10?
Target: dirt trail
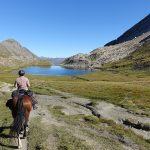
column 70, row 106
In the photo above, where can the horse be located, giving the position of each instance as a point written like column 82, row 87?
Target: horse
column 21, row 108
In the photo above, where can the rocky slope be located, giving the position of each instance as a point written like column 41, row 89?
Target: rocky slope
column 107, row 54
column 12, row 54
column 139, row 59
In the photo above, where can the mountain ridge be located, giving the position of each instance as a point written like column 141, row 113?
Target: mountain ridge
column 138, row 29
column 111, row 52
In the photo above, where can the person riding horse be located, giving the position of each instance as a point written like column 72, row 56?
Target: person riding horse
column 22, row 84
column 21, row 105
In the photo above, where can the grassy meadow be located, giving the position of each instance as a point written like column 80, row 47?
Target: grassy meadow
column 128, row 89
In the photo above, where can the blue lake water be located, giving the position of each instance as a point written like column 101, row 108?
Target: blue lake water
column 54, row 71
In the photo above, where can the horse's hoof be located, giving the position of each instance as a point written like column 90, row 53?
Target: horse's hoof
column 21, row 132
column 24, row 136
column 19, row 147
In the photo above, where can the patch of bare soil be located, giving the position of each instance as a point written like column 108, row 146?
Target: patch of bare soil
column 118, row 114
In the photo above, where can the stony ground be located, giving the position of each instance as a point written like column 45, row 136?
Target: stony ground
column 70, row 105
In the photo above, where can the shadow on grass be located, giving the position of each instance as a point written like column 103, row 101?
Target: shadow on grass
column 5, row 136
column 8, row 146
column 3, row 128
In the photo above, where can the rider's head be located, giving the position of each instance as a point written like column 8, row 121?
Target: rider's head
column 21, row 72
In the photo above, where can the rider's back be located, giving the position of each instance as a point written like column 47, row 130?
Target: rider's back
column 22, row 83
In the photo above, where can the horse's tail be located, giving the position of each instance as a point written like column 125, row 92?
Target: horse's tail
column 20, row 117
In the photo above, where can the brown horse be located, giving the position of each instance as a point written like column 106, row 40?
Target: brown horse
column 21, row 108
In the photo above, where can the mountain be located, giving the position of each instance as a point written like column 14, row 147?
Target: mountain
column 56, row 61
column 53, row 61
column 113, row 52
column 138, row 29
column 12, row 54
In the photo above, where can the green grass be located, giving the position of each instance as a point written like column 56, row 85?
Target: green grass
column 67, row 141
column 5, row 122
column 133, row 94
column 129, row 89
column 37, row 135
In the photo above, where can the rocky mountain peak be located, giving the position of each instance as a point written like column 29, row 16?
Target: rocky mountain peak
column 12, row 53
column 11, row 43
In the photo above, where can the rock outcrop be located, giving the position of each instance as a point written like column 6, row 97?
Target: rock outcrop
column 77, row 61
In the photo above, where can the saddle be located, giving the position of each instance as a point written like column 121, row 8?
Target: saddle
column 18, row 93
column 21, row 93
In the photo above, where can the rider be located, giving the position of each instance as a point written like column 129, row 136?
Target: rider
column 22, row 84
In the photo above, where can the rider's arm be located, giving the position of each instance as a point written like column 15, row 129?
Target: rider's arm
column 28, row 83
column 15, row 84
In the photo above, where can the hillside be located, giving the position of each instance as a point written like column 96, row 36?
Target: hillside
column 12, row 54
column 139, row 59
column 108, row 54
column 56, row 61
column 53, row 61
column 126, row 44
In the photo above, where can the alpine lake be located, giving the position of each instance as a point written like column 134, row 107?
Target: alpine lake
column 55, row 71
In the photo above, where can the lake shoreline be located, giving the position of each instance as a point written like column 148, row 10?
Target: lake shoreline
column 55, row 71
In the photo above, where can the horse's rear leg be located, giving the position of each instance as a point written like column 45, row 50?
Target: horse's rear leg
column 19, row 143
column 26, row 124
column 25, row 131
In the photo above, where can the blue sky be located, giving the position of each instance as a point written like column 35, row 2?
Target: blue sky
column 62, row 28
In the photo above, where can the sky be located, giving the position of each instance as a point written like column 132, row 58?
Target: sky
column 62, row 28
